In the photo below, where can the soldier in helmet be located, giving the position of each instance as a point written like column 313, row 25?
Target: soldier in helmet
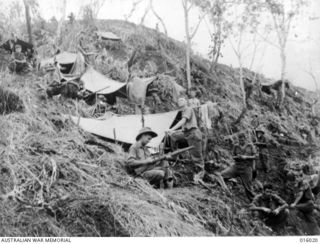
column 244, row 157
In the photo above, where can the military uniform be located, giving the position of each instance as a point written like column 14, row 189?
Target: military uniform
column 18, row 66
column 156, row 174
column 193, row 135
column 193, row 102
column 306, row 206
column 243, row 168
column 271, row 201
column 263, row 152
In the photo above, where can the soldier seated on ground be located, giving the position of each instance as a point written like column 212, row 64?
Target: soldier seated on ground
column 140, row 160
column 19, row 60
column 244, row 156
column 271, row 208
column 67, row 89
column 305, row 203
column 51, row 75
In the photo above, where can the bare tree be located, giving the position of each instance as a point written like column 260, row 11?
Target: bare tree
column 28, row 19
column 315, row 79
column 219, row 26
column 63, row 17
column 133, row 9
column 283, row 13
column 187, row 6
column 151, row 8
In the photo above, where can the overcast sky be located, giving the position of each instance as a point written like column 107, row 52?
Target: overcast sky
column 303, row 49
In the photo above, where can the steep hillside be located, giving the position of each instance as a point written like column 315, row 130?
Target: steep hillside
column 57, row 180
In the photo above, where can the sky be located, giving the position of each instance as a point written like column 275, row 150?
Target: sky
column 303, row 50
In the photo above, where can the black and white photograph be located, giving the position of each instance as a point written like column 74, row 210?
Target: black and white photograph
column 159, row 118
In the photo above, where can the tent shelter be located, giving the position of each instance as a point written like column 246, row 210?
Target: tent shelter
column 94, row 81
column 71, row 64
column 26, row 47
column 108, row 36
column 125, row 128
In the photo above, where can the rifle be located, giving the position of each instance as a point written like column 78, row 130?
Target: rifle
column 140, row 170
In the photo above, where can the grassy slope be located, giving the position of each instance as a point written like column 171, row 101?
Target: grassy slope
column 60, row 185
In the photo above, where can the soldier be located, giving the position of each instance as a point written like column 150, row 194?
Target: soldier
column 272, row 208
column 248, row 87
column 19, row 60
column 51, row 75
column 140, row 156
column 244, row 156
column 192, row 134
column 305, row 203
column 193, row 101
column 261, row 143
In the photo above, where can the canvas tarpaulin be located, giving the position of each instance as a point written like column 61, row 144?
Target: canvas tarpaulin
column 95, row 82
column 71, row 64
column 66, row 58
column 25, row 46
column 126, row 127
column 108, row 36
column 137, row 89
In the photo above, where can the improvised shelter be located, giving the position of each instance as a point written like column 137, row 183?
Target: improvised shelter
column 267, row 87
column 70, row 65
column 108, row 36
column 26, row 47
column 125, row 128
column 96, row 82
column 109, row 39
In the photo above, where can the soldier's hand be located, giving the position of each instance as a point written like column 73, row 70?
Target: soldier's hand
column 149, row 161
column 168, row 157
column 276, row 211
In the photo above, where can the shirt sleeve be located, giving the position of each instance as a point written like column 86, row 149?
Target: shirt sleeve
column 132, row 155
column 187, row 113
column 253, row 150
column 255, row 201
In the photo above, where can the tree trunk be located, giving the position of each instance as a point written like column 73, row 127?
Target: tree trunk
column 63, row 17
column 283, row 74
column 28, row 20
column 188, row 45
column 244, row 99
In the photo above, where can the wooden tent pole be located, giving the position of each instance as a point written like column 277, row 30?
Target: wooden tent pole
column 142, row 114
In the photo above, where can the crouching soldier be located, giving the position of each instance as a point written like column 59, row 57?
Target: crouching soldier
column 272, row 208
column 305, row 203
column 143, row 164
column 244, row 156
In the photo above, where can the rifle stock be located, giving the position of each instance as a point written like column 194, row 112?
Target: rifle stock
column 140, row 170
